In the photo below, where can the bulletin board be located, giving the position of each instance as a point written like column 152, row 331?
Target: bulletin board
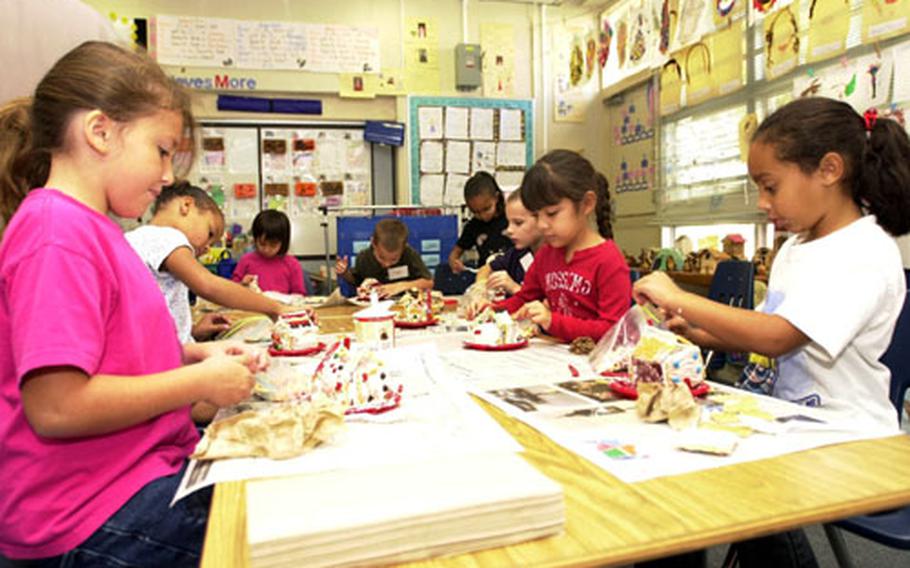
column 453, row 138
column 433, row 237
column 294, row 167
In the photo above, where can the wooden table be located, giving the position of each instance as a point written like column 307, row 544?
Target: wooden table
column 610, row 522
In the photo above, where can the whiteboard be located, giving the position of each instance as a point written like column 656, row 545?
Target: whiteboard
column 245, row 44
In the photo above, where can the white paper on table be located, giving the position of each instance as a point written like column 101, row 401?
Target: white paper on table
column 430, row 122
column 455, row 189
column 431, row 189
column 458, row 157
column 509, row 180
column 901, row 58
column 510, row 124
column 483, row 157
column 511, row 154
column 436, row 419
column 431, row 157
column 456, row 125
column 482, row 123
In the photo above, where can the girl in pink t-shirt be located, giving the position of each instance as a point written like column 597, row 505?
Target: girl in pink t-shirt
column 269, row 265
column 579, row 283
column 95, row 389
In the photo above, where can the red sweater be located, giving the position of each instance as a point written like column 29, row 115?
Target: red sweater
column 586, row 296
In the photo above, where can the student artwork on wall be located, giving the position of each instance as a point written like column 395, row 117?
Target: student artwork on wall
column 576, row 82
column 421, row 55
column 862, row 82
column 699, row 84
column 636, row 40
column 493, row 135
column 295, row 168
column 829, row 22
column 883, row 19
column 781, row 41
column 727, row 11
column 671, row 84
column 636, row 121
column 728, row 57
column 498, row 45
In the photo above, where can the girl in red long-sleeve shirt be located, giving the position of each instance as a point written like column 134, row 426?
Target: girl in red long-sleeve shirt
column 579, row 283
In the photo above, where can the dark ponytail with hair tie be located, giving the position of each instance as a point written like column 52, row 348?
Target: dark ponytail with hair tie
column 883, row 186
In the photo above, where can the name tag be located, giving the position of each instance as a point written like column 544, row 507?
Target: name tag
column 526, row 260
column 398, row 272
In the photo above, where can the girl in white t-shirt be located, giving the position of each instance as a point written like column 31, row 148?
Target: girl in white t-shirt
column 840, row 182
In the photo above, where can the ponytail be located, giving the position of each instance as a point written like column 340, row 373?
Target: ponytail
column 883, row 184
column 21, row 167
column 604, row 209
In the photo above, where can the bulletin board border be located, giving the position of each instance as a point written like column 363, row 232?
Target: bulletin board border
column 414, row 104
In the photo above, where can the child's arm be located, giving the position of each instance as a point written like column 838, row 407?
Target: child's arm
column 531, row 290
column 455, row 259
column 64, row 402
column 741, row 330
column 183, row 265
column 343, row 270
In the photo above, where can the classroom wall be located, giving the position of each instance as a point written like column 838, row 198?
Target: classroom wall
column 456, row 21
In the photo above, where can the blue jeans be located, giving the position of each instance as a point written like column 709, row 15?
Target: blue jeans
column 144, row 532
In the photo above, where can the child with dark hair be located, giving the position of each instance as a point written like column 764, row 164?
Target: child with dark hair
column 95, row 388
column 269, row 265
column 485, row 231
column 840, row 182
column 579, row 283
column 389, row 261
column 185, row 223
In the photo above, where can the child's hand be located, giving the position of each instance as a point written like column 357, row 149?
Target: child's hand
column 227, row 380
column 537, row 312
column 501, row 279
column 679, row 326
column 210, row 325
column 248, row 279
column 656, row 288
column 456, row 265
column 257, row 358
column 474, row 307
column 341, row 265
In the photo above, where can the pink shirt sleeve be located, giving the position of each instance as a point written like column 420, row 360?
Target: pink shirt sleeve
column 79, row 313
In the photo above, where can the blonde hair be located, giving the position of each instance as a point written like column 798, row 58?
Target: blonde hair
column 123, row 84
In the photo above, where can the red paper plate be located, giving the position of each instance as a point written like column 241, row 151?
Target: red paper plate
column 415, row 324
column 298, row 353
column 504, row 347
column 626, row 389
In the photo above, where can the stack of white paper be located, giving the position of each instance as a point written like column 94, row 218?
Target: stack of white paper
column 400, row 513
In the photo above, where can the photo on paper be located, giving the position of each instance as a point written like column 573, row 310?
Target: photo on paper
column 595, row 411
column 544, row 398
column 595, row 389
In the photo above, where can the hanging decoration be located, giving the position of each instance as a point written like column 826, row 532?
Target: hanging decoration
column 724, row 7
column 763, row 6
column 590, row 56
column 622, row 36
column 576, row 65
column 781, row 42
column 638, row 42
column 873, row 74
column 665, row 12
column 604, row 39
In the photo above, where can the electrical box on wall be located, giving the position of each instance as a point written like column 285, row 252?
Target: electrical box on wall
column 467, row 66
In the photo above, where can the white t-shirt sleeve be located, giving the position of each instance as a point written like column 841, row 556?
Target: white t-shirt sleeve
column 154, row 244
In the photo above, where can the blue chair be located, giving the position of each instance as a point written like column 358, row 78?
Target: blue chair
column 733, row 284
column 891, row 528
